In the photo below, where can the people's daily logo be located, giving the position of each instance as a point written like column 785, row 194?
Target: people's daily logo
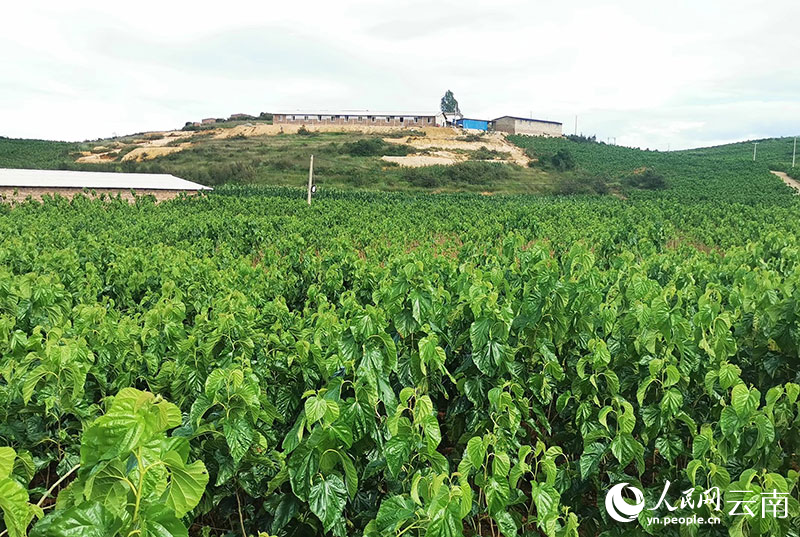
column 624, row 503
column 619, row 508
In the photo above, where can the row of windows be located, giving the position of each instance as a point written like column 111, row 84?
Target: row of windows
column 361, row 118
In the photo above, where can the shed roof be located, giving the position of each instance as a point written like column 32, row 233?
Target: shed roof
column 80, row 179
column 529, row 119
column 402, row 113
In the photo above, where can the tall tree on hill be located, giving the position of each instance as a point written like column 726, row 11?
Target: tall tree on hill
column 449, row 103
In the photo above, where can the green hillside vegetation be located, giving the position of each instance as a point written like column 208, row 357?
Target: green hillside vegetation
column 41, row 154
column 342, row 160
column 724, row 172
column 352, row 160
column 403, row 364
column 776, row 153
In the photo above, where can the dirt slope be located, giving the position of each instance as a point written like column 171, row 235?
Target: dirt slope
column 788, row 180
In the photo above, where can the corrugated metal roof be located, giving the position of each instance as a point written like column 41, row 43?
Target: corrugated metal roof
column 80, row 179
column 529, row 119
column 405, row 113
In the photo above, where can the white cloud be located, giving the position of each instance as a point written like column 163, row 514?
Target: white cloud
column 675, row 74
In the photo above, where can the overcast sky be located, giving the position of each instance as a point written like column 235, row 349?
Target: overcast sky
column 651, row 74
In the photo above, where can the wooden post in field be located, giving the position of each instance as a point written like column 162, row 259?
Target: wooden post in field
column 310, row 177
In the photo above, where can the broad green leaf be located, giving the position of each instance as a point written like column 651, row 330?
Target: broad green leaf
column 88, row 520
column 728, row 375
column 744, row 401
column 393, row 512
column 397, row 452
column 501, row 465
column 327, row 499
column 133, row 419
column 303, row 466
column 505, row 522
column 31, row 381
column 7, row 456
column 729, row 421
column 285, row 511
column 239, row 435
column 187, row 483
column 160, row 521
column 497, row 495
column 350, row 474
column 626, row 449
column 479, row 333
column 446, row 523
column 590, row 460
column 14, row 505
column 670, row 446
column 700, row 446
column 673, row 376
column 641, row 392
column 430, row 354
column 433, row 434
column 475, row 452
column 546, row 498
column 315, row 408
column 672, row 401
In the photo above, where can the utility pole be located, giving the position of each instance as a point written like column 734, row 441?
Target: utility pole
column 794, row 151
column 755, row 146
column 576, row 124
column 310, row 177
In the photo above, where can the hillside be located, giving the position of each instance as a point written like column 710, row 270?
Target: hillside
column 261, row 154
column 723, row 172
column 264, row 154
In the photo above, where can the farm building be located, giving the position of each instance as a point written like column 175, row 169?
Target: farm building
column 451, row 118
column 360, row 117
column 523, row 125
column 17, row 185
column 476, row 124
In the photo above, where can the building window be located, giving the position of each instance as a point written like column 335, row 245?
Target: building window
column 401, row 119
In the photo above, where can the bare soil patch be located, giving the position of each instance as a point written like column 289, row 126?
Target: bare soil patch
column 415, row 161
column 788, row 180
column 448, row 138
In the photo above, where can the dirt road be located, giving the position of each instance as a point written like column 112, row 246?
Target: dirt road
column 788, row 180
